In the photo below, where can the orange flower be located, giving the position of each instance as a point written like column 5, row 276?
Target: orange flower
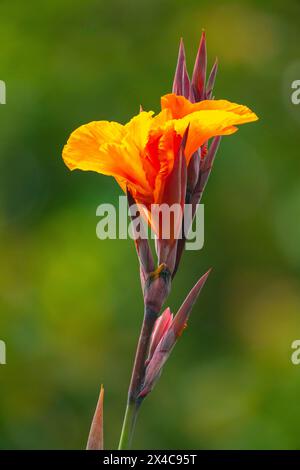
column 141, row 154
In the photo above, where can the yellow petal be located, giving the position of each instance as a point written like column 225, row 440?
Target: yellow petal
column 209, row 123
column 82, row 149
column 113, row 149
column 137, row 129
column 205, row 119
column 179, row 106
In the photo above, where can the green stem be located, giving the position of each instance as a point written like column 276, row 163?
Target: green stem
column 128, row 426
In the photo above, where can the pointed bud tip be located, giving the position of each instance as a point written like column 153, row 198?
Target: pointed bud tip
column 199, row 72
column 95, row 440
column 178, row 82
column 203, row 278
column 202, row 39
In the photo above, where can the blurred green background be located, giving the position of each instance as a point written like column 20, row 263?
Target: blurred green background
column 70, row 304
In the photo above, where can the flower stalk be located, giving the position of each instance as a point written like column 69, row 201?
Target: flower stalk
column 133, row 401
column 184, row 184
column 162, row 159
column 156, row 290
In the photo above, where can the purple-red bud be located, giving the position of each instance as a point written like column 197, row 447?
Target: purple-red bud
column 211, row 81
column 161, row 326
column 181, row 83
column 199, row 73
column 169, row 338
column 174, row 193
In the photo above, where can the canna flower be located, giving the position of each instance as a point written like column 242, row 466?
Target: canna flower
column 152, row 157
column 141, row 154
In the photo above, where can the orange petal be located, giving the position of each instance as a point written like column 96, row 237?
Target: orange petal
column 179, row 106
column 209, row 123
column 112, row 149
column 82, row 149
column 162, row 147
